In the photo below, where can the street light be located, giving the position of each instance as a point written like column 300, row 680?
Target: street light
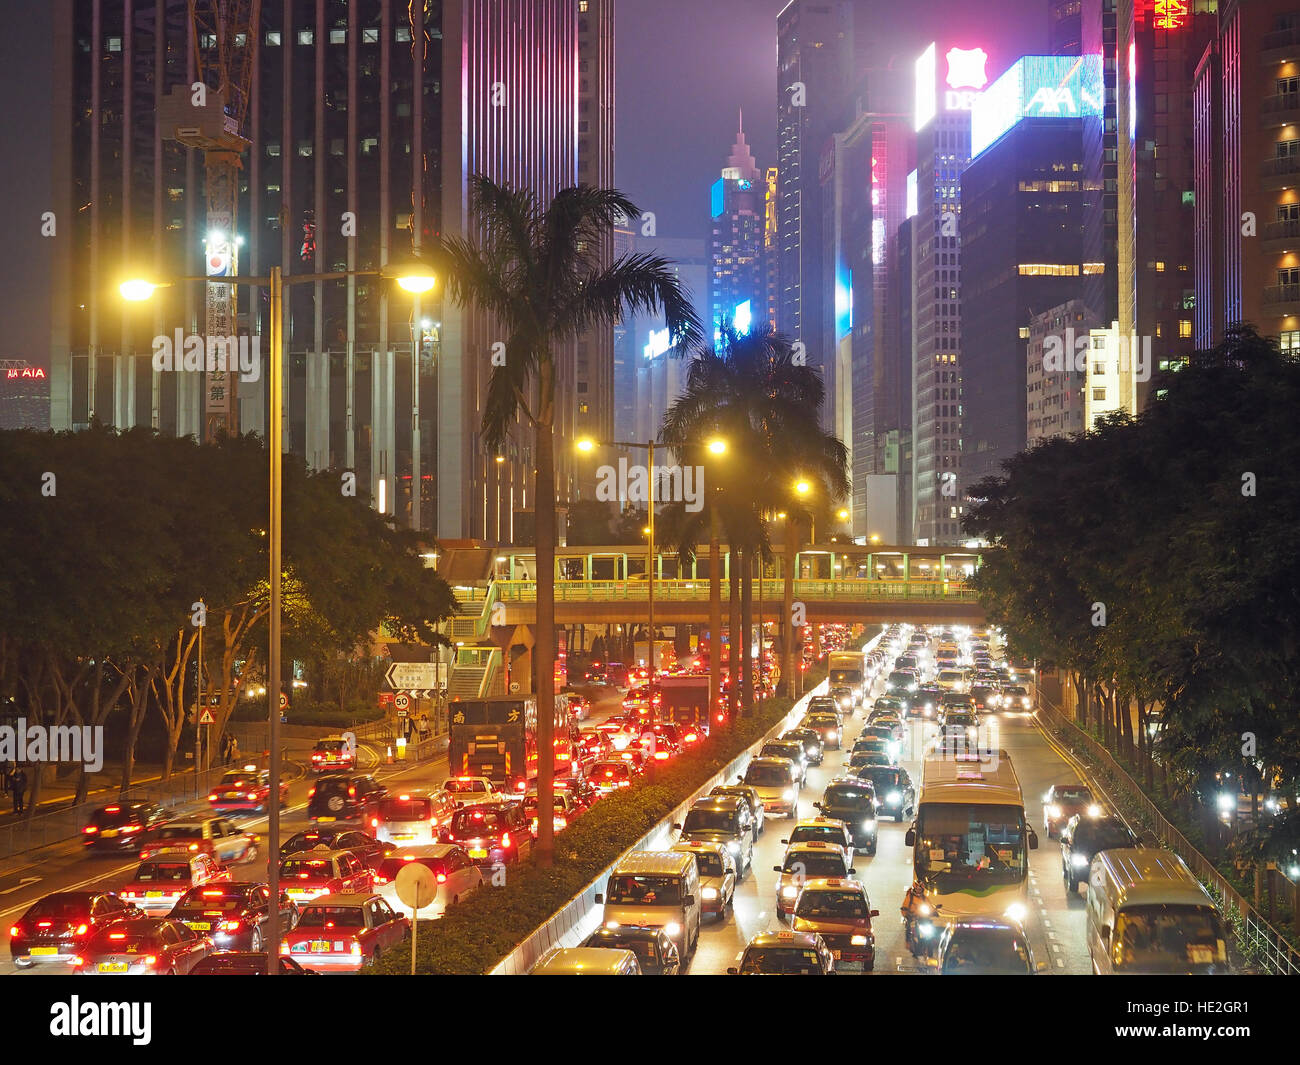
column 412, row 277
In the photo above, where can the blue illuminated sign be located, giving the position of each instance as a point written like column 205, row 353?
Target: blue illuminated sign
column 717, row 196
column 743, row 318
column 1036, row 86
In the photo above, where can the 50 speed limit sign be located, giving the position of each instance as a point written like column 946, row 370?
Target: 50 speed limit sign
column 402, row 702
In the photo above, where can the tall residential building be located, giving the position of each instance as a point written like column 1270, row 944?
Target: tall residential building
column 375, row 111
column 626, row 355
column 1247, row 107
column 1022, row 239
column 1054, row 388
column 737, row 265
column 949, row 81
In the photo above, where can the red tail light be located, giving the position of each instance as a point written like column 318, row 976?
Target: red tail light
column 505, row 839
column 442, row 878
column 112, row 809
column 128, row 829
column 352, row 791
column 82, row 929
column 374, row 822
column 90, row 830
column 380, row 878
column 311, row 792
column 212, row 798
column 15, row 931
column 151, row 960
column 44, row 924
column 78, row 961
column 231, row 926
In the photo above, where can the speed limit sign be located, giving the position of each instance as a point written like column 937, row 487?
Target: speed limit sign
column 402, row 702
column 514, row 687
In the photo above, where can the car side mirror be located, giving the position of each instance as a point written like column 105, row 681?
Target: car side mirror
column 1033, row 840
column 873, row 913
column 786, row 842
column 600, row 898
column 732, row 971
column 689, row 900
column 909, row 840
column 677, row 827
column 816, row 806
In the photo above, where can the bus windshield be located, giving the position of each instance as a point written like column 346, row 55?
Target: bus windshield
column 965, row 845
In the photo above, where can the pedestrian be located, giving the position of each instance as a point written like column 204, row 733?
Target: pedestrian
column 17, row 788
column 234, row 751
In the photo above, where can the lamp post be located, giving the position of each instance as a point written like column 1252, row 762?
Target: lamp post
column 415, row 278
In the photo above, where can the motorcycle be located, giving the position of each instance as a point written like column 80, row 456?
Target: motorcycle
column 920, row 929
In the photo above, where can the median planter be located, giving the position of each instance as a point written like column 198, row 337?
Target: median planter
column 505, row 929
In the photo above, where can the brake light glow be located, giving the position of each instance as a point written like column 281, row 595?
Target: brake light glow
column 212, row 798
column 82, row 929
column 44, row 924
column 505, row 839
column 15, row 931
column 112, row 809
column 90, row 830
column 442, row 878
column 230, row 926
column 116, row 935
column 151, row 959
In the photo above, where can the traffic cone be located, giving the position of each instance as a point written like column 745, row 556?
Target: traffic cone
column 390, row 754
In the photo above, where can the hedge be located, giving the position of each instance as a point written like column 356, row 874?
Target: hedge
column 472, row 938
column 327, row 715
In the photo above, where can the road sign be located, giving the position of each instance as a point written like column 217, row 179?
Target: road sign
column 206, row 717
column 401, row 702
column 284, row 701
column 405, row 676
column 514, row 687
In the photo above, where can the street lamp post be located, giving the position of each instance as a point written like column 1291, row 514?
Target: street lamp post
column 415, row 279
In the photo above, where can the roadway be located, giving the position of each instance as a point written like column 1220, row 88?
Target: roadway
column 1055, row 924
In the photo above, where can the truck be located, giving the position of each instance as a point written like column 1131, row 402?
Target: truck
column 848, row 669
column 684, row 699
column 496, row 738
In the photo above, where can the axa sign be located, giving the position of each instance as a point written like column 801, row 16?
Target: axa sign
column 1049, row 101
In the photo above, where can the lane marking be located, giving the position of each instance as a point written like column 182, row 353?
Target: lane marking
column 27, row 880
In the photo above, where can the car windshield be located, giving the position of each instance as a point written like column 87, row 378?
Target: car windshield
column 331, row 917
column 961, row 847
column 332, row 786
column 704, row 819
column 840, row 795
column 787, row 749
column 1014, row 690
column 819, row 833
column 780, row 960
column 822, row 721
column 709, row 864
column 881, row 776
column 1168, row 938
column 1072, row 793
column 644, row 891
column 180, row 832
column 159, row 872
column 305, row 841
column 223, row 899
column 238, row 780
column 963, row 720
column 306, row 868
column 473, row 821
column 812, row 864
column 831, row 904
column 950, row 675
column 996, row 951
column 610, row 771
column 110, row 818
column 767, row 776
column 330, row 746
column 1100, row 837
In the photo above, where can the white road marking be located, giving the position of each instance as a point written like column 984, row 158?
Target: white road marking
column 1060, row 964
column 21, row 884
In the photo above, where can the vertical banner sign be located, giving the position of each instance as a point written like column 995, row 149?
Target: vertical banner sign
column 219, row 408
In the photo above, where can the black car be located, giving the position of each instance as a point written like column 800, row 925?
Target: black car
column 492, row 832
column 245, row 963
column 895, row 793
column 122, row 826
column 1083, row 838
column 723, row 819
column 656, row 952
column 340, row 838
column 925, row 701
column 54, row 928
column 744, row 791
column 1063, row 801
column 343, row 797
column 813, row 747
column 852, row 801
column 232, row 913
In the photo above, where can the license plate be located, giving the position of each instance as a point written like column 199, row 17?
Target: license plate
column 43, row 952
column 837, row 954
column 113, row 966
column 153, row 894
column 326, row 819
column 478, row 852
column 404, row 835
column 320, row 946
column 108, row 833
column 200, row 926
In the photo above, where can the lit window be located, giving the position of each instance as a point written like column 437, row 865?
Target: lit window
column 1160, row 266
column 338, row 36
column 1099, row 395
column 273, row 148
column 1289, row 342
column 306, row 36
column 582, row 7
column 403, row 33
column 115, row 44
column 370, row 35
column 1184, row 327
column 273, row 38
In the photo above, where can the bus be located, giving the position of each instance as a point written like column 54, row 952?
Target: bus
column 970, row 841
column 496, row 738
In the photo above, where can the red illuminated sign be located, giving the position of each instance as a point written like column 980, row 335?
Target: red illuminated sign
column 27, row 371
column 1168, row 14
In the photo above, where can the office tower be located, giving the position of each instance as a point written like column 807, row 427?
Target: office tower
column 1247, row 107
column 1064, row 27
column 373, row 115
column 626, row 354
column 1054, row 389
column 1022, row 247
column 771, row 244
column 737, row 266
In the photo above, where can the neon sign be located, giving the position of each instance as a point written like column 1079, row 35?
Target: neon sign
column 659, row 342
column 34, row 372
column 966, row 68
column 1169, row 14
column 1037, row 86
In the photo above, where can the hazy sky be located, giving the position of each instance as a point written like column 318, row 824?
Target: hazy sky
column 684, row 68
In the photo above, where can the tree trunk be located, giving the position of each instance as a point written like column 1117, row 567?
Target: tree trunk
column 139, row 690
column 746, row 622
column 544, row 649
column 733, row 635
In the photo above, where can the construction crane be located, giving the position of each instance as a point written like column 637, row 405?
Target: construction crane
column 209, row 114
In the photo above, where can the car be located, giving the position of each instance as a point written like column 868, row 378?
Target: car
column 844, row 699
column 338, row 838
column 307, row 875
column 814, row 748
column 122, row 826
column 592, row 746
column 952, row 680
column 663, row 739
column 902, row 681
column 466, row 790
column 619, row 732
column 890, row 735
column 718, row 875
column 886, row 716
column 958, row 730
column 887, row 702
column 867, row 758
column 587, row 961
column 610, row 774
column 822, row 829
column 345, row 798
column 853, row 801
column 744, row 791
column 412, row 817
column 245, row 790
column 985, row 697
column 564, row 811
column 159, row 882
column 455, row 877
column 656, row 953
column 493, row 832
column 722, row 819
column 635, row 755
column 245, row 963
column 1083, row 838
column 791, row 749
column 803, row 862
column 985, row 946
column 895, row 793
column 342, row 933
column 232, row 914
column 925, row 701
column 777, row 783
column 216, row 836
column 333, row 753
column 784, row 954
column 54, row 928
column 829, row 726
column 582, row 794
column 142, row 946
column 822, row 704
column 1063, row 801
column 840, row 912
column 1016, row 698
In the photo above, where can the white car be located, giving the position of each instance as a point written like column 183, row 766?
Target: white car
column 455, row 875
column 470, row 789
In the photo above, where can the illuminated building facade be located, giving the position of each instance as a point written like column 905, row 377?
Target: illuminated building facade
column 737, row 261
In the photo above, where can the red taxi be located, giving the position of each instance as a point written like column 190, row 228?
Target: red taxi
column 344, row 932
column 307, row 875
column 247, row 789
column 159, row 883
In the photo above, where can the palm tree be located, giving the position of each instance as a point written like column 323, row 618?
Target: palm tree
column 756, row 392
column 539, row 271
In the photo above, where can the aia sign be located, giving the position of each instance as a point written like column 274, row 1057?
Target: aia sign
column 26, row 371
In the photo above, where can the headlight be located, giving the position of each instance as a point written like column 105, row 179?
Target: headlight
column 869, row 824
column 709, row 893
column 894, row 797
column 1016, row 911
column 924, row 909
column 1053, row 810
column 788, row 794
column 611, row 924
column 857, row 941
column 1094, row 810
column 789, row 891
column 673, row 928
column 1227, row 801
column 925, row 929
column 1079, row 860
column 734, row 847
column 810, row 750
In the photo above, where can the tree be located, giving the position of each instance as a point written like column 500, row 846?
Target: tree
column 539, row 271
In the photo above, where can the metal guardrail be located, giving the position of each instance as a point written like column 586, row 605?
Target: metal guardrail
column 667, row 591
column 1259, row 941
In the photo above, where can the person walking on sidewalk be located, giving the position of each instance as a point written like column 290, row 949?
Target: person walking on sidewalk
column 17, row 788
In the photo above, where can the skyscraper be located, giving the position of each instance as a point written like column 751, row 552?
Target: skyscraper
column 737, row 263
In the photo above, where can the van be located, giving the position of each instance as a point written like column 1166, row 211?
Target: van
column 410, row 818
column 655, row 889
column 1147, row 913
column 588, row 961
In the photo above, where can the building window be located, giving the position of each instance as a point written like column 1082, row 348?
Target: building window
column 273, row 38
column 273, row 149
column 338, row 36
column 403, row 33
column 1289, row 342
column 1288, row 148
column 369, row 144
column 582, row 7
column 336, row 146
column 1289, row 276
column 1288, row 212
column 370, row 35
column 1288, row 85
column 1184, row 327
column 115, row 44
column 306, row 36
column 304, row 149
column 1099, row 395
column 1160, row 266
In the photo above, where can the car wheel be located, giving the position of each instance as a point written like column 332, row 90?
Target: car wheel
column 23, row 963
column 255, row 941
column 250, row 853
column 869, row 965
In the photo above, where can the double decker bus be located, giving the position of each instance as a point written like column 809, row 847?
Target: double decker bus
column 496, row 738
column 970, row 841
